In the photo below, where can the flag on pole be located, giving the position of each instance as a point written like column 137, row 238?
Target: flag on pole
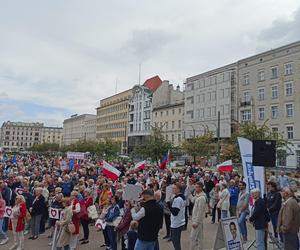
column 139, row 166
column 110, row 172
column 165, row 161
column 226, row 166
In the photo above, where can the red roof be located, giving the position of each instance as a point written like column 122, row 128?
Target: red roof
column 153, row 83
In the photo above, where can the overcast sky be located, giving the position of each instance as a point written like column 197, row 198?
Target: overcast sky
column 60, row 57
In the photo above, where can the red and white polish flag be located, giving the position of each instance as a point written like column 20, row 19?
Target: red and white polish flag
column 226, row 166
column 139, row 166
column 110, row 172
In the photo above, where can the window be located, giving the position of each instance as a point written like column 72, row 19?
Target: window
column 246, row 96
column 173, row 125
column 173, row 111
column 155, row 114
column 190, row 114
column 261, row 94
column 222, row 93
column 213, row 95
column 167, row 125
column 179, row 111
column 274, row 72
column 261, row 113
column 274, row 90
column 246, row 79
column 289, row 110
column 161, row 114
column 274, row 112
column 173, row 138
column 246, row 115
column 167, row 112
column 290, row 132
column 179, row 124
column 288, row 69
column 275, row 132
column 202, row 112
column 209, row 96
column 213, row 111
column 209, row 112
column 261, row 75
column 288, row 89
column 179, row 138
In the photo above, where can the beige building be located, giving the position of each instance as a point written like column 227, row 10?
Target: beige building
column 51, row 135
column 23, row 135
column 79, row 127
column 112, row 118
column 168, row 112
column 269, row 91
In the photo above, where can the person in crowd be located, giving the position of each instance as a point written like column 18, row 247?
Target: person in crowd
column 104, row 196
column 196, row 238
column 289, row 220
column 75, row 219
column 214, row 199
column 84, row 220
column 4, row 238
column 110, row 218
column 132, row 235
column 124, row 224
column 242, row 210
column 7, row 196
column 67, row 186
column 259, row 218
column 208, row 187
column 64, row 235
column 57, row 204
column 234, row 195
column 273, row 199
column 224, row 201
column 29, row 199
column 177, row 216
column 283, row 180
column 167, row 213
column 149, row 215
column 36, row 210
column 17, row 222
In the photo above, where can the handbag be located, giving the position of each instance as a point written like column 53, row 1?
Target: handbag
column 70, row 228
column 92, row 212
column 27, row 217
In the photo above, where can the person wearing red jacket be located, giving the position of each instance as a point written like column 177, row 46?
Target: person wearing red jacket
column 84, row 219
column 75, row 219
column 18, row 222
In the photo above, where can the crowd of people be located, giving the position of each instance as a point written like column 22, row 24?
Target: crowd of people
column 31, row 185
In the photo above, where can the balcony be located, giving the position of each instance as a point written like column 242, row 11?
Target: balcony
column 245, row 103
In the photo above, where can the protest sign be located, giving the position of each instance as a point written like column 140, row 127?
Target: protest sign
column 53, row 213
column 169, row 193
column 100, row 224
column 8, row 212
column 76, row 155
column 19, row 191
column 132, row 192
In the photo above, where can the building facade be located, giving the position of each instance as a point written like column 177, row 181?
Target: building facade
column 23, row 135
column 140, row 112
column 51, row 135
column 207, row 94
column 269, row 92
column 112, row 118
column 79, row 127
column 168, row 112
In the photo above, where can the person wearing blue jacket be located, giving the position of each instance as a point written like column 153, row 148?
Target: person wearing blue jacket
column 234, row 196
column 112, row 214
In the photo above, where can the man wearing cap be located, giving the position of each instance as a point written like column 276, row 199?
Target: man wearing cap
column 150, row 217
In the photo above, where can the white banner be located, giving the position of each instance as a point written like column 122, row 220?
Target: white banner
column 254, row 176
column 132, row 192
column 75, row 155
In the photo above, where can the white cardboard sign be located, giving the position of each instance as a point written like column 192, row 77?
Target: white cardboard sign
column 8, row 212
column 132, row 192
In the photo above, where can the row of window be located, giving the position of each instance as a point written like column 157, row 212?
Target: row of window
column 138, row 106
column 261, row 93
column 162, row 113
column 112, row 126
column 165, row 125
column 172, row 139
column 21, row 133
column 114, row 134
column 120, row 107
column 274, row 73
column 113, row 117
column 207, row 81
column 139, row 127
column 209, row 112
column 25, row 144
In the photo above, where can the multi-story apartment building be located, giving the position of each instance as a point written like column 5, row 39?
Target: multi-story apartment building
column 207, row 94
column 269, row 92
column 112, row 118
column 140, row 112
column 23, row 135
column 168, row 112
column 51, row 135
column 79, row 127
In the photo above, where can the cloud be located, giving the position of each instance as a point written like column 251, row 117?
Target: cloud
column 3, row 95
column 281, row 32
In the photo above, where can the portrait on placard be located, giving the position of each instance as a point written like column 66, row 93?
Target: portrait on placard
column 232, row 234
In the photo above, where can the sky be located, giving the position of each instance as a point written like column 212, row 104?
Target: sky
column 60, row 57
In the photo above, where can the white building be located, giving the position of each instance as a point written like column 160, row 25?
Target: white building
column 269, row 92
column 140, row 112
column 207, row 94
column 79, row 127
column 51, row 135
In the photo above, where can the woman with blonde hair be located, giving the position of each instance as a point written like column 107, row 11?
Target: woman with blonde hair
column 18, row 222
column 104, row 196
column 64, row 236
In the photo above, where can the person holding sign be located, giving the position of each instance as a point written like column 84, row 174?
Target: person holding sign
column 199, row 201
column 17, row 222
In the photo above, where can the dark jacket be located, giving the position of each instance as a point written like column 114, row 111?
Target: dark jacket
column 260, row 215
column 132, row 237
column 150, row 224
column 38, row 206
column 274, row 202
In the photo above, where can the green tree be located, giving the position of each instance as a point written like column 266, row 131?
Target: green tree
column 202, row 145
column 45, row 147
column 154, row 147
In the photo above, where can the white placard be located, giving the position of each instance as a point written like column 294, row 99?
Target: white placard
column 132, row 192
column 53, row 213
column 8, row 212
column 169, row 193
column 76, row 155
column 19, row 191
column 100, row 224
